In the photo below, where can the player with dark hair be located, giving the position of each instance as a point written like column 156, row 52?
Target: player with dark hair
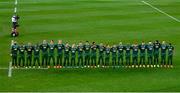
column 29, row 50
column 60, row 48
column 87, row 48
column 21, row 55
column 80, row 55
column 36, row 59
column 150, row 51
column 163, row 54
column 51, row 54
column 14, row 53
column 120, row 48
column 101, row 55
column 93, row 54
column 66, row 55
column 44, row 49
column 142, row 48
column 157, row 45
column 135, row 49
column 107, row 55
column 170, row 55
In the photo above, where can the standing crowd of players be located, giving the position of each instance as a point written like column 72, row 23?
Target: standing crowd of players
column 92, row 55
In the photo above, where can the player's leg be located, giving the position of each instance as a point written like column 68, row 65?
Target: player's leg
column 57, row 61
column 136, row 61
column 82, row 62
column 49, row 60
column 171, row 61
column 88, row 61
column 34, row 61
column 46, row 60
column 95, row 61
column 42, row 61
column 68, row 61
column 30, row 61
column 54, row 63
column 144, row 61
column 19, row 61
column 27, row 62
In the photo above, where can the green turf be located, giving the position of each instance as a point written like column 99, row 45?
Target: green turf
column 107, row 21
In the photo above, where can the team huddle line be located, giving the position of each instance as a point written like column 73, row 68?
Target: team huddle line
column 91, row 55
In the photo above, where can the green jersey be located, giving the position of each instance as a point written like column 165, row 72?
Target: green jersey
column 14, row 50
column 66, row 51
column 93, row 50
column 36, row 51
column 114, row 51
column 29, row 50
column 135, row 49
column 22, row 50
column 128, row 50
column 73, row 52
column 170, row 50
column 163, row 49
column 51, row 49
column 142, row 50
column 150, row 50
column 101, row 51
column 80, row 51
column 87, row 50
column 44, row 48
column 120, row 50
column 60, row 48
column 156, row 48
column 107, row 52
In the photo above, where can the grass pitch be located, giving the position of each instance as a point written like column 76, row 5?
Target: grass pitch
column 107, row 21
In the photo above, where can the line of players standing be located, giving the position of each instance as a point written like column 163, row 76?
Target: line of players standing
column 86, row 55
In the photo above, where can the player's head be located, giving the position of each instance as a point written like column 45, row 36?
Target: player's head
column 135, row 42
column 80, row 43
column 170, row 44
column 101, row 44
column 150, row 42
column 120, row 43
column 67, row 44
column 59, row 41
column 44, row 41
column 114, row 45
column 163, row 42
column 143, row 42
column 73, row 45
column 93, row 43
column 52, row 42
column 87, row 42
column 29, row 44
column 156, row 41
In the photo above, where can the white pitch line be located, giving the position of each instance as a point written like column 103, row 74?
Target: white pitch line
column 15, row 2
column 15, row 10
column 10, row 70
column 24, row 68
column 3, row 68
column 30, row 68
column 161, row 11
